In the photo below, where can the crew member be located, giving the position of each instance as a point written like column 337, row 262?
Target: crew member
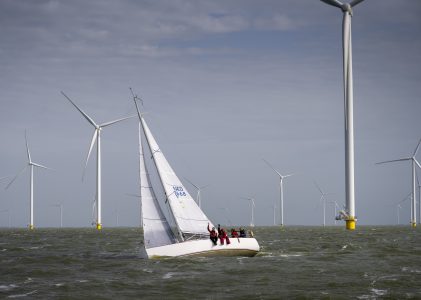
column 224, row 237
column 213, row 235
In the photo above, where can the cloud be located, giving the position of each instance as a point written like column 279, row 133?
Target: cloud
column 275, row 22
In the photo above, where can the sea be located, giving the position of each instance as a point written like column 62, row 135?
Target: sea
column 372, row 262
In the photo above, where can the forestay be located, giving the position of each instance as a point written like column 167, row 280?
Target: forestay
column 156, row 229
column 189, row 218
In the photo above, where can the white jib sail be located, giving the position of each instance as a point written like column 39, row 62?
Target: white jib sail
column 156, row 229
column 189, row 218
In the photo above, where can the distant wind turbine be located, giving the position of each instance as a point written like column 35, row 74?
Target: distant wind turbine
column 252, row 205
column 281, row 190
column 349, row 108
column 31, row 166
column 323, row 200
column 199, row 189
column 399, row 206
column 415, row 163
column 96, row 138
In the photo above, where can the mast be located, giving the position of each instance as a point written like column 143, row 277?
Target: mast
column 140, row 174
column 142, row 124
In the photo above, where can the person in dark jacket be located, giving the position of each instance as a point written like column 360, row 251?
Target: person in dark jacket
column 213, row 235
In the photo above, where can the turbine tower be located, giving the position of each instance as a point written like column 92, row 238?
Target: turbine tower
column 96, row 138
column 346, row 8
column 281, row 191
column 415, row 163
column 252, row 205
column 31, row 166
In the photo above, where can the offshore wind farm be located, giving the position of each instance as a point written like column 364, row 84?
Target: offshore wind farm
column 221, row 86
column 227, row 145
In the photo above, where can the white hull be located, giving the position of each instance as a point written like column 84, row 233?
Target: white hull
column 238, row 247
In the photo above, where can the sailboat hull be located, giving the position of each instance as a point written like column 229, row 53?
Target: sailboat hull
column 238, row 247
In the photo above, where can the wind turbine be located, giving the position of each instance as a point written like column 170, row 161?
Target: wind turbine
column 31, row 166
column 398, row 205
column 252, row 205
column 281, row 190
column 323, row 199
column 96, row 138
column 199, row 189
column 346, row 8
column 414, row 174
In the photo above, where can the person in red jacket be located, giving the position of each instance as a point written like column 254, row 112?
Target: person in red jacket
column 213, row 235
column 223, row 236
column 234, row 233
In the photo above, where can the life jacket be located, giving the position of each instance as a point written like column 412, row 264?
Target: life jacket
column 213, row 233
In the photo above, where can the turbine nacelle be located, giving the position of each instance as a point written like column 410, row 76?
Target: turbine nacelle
column 345, row 7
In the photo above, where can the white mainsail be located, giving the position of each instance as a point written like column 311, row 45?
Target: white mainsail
column 189, row 218
column 191, row 222
column 156, row 229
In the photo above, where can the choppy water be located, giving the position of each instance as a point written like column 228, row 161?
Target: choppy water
column 297, row 262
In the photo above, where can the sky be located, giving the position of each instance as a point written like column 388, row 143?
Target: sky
column 225, row 84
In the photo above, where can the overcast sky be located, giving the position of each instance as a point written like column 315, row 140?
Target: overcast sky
column 225, row 84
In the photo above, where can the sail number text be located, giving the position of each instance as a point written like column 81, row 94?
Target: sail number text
column 179, row 191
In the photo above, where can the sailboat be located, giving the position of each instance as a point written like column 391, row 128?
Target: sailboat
column 188, row 236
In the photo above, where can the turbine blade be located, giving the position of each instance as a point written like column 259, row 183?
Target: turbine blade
column 197, row 188
column 355, row 2
column 333, row 3
column 27, row 149
column 418, row 164
column 416, row 149
column 94, row 137
column 115, row 121
column 14, row 178
column 389, row 161
column 41, row 166
column 289, row 175
column 81, row 111
column 406, row 198
column 318, row 187
column 270, row 166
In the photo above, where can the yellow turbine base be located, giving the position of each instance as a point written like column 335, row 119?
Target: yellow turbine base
column 350, row 224
column 31, row 227
column 98, row 226
column 413, row 224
